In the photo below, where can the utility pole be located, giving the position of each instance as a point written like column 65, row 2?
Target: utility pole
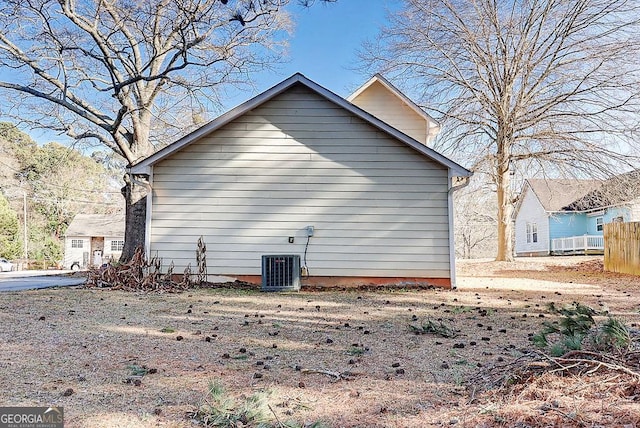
column 24, row 206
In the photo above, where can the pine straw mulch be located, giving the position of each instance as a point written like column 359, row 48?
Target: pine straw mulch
column 360, row 362
column 581, row 389
column 575, row 363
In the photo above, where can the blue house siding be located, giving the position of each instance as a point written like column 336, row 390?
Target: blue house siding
column 592, row 228
column 609, row 215
column 563, row 225
column 570, row 224
column 612, row 213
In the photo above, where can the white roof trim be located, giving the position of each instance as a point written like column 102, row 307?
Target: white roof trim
column 142, row 167
column 384, row 82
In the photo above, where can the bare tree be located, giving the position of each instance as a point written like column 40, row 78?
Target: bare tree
column 112, row 71
column 550, row 84
column 474, row 217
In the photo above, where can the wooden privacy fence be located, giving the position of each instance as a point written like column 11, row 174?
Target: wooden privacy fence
column 622, row 247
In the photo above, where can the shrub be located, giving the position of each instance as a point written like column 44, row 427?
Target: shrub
column 577, row 329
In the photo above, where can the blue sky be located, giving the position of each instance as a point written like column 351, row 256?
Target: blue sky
column 323, row 47
column 327, row 37
column 324, row 44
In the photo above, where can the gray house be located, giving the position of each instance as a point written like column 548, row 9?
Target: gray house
column 93, row 239
column 300, row 170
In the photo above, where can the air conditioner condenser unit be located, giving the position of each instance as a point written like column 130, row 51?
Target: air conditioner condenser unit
column 281, row 272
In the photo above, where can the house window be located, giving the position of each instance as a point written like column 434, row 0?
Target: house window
column 77, row 243
column 599, row 224
column 117, row 246
column 532, row 233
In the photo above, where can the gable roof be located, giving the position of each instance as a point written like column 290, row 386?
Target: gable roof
column 100, row 225
column 556, row 194
column 143, row 166
column 613, row 191
column 378, row 78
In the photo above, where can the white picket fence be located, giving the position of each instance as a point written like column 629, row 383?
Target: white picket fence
column 578, row 245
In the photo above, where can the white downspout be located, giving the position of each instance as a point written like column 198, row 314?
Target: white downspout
column 147, row 226
column 452, row 247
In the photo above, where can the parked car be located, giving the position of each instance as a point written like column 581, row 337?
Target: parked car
column 5, row 265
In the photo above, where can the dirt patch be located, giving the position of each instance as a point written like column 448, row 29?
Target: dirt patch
column 584, row 269
column 347, row 359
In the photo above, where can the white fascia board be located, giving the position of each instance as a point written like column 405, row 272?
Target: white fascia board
column 143, row 166
column 362, row 88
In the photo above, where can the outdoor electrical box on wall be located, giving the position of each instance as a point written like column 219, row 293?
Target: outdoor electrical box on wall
column 281, row 272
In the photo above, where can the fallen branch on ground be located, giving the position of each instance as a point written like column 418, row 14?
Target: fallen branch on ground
column 431, row 327
column 138, row 275
column 335, row 375
column 536, row 363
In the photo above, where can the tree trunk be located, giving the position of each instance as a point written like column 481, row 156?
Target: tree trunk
column 505, row 210
column 135, row 191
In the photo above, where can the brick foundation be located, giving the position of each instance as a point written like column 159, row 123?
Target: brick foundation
column 355, row 281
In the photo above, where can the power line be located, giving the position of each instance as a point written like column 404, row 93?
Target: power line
column 63, row 187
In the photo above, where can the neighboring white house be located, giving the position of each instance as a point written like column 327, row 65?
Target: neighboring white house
column 383, row 100
column 93, row 239
column 557, row 216
column 252, row 181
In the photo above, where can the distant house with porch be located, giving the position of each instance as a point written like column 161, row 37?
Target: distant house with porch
column 568, row 216
column 93, row 239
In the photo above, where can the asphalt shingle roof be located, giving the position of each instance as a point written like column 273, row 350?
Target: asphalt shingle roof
column 556, row 194
column 109, row 225
column 616, row 190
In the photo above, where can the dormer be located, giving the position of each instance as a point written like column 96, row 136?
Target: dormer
column 383, row 100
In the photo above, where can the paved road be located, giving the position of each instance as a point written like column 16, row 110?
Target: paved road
column 29, row 280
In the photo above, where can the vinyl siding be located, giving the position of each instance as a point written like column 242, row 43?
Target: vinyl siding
column 378, row 101
column 531, row 211
column 107, row 253
column 72, row 255
column 635, row 210
column 591, row 227
column 378, row 207
column 613, row 212
column 564, row 225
